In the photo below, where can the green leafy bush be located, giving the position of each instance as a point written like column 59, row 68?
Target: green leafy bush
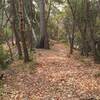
column 3, row 58
column 7, row 32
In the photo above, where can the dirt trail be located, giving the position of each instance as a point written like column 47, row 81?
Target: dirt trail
column 56, row 76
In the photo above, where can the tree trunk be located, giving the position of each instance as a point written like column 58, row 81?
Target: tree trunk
column 17, row 41
column 14, row 30
column 84, row 47
column 73, row 11
column 44, row 42
column 22, row 30
column 72, row 38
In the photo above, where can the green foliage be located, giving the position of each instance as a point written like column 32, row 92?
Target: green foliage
column 3, row 58
column 8, row 32
column 62, row 38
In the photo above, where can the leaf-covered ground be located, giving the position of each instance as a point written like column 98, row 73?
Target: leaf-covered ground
column 55, row 75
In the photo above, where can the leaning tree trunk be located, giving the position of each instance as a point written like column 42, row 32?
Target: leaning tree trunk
column 29, row 11
column 44, row 42
column 22, row 30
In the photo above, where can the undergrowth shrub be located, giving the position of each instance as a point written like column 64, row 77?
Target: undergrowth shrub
column 3, row 58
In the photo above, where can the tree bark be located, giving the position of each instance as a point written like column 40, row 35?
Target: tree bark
column 44, row 42
column 73, row 27
column 14, row 30
column 22, row 30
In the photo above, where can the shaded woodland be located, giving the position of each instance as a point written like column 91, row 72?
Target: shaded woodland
column 44, row 42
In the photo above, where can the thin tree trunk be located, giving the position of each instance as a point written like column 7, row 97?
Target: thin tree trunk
column 48, row 15
column 73, row 30
column 14, row 30
column 30, row 24
column 22, row 30
column 72, row 38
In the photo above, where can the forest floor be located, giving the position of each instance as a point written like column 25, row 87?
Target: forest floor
column 54, row 75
